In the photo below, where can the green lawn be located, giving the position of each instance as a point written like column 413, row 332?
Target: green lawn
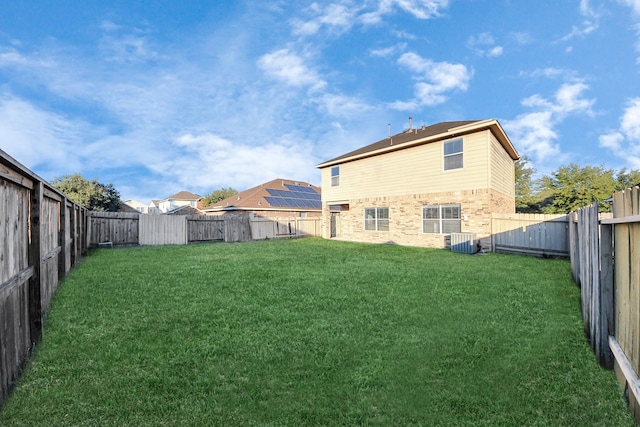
column 314, row 332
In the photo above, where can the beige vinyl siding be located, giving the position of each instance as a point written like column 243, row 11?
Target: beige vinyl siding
column 413, row 170
column 502, row 169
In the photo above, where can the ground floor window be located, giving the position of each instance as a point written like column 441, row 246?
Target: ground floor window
column 376, row 219
column 441, row 219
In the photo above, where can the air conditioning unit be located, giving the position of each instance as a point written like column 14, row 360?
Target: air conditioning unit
column 464, row 243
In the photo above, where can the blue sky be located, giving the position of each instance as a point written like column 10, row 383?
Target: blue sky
column 162, row 96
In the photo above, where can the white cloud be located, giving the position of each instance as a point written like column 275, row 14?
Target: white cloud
column 534, row 133
column 625, row 141
column 495, row 51
column 336, row 17
column 343, row 106
column 434, row 80
column 612, row 140
column 633, row 4
column 341, row 16
column 589, row 24
column 208, row 160
column 521, row 38
column 37, row 137
column 388, row 51
column 484, row 44
column 630, row 123
column 290, row 68
column 635, row 8
column 421, row 9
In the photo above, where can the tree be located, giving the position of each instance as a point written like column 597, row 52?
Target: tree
column 526, row 200
column 572, row 187
column 627, row 179
column 218, row 195
column 92, row 194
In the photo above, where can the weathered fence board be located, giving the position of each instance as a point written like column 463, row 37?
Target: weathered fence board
column 14, row 279
column 37, row 247
column 204, row 228
column 163, row 230
column 119, row 228
column 534, row 234
column 626, row 342
column 591, row 249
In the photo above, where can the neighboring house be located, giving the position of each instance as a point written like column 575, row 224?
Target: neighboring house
column 419, row 186
column 185, row 210
column 137, row 206
column 280, row 198
column 177, row 201
column 154, row 207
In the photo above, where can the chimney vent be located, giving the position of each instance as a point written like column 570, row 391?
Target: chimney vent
column 410, row 122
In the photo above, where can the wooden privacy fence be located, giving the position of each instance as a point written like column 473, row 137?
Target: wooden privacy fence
column 531, row 234
column 591, row 247
column 42, row 235
column 605, row 261
column 124, row 229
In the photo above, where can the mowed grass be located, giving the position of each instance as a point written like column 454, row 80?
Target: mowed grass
column 314, row 332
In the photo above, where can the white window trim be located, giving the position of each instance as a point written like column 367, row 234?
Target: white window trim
column 440, row 219
column 454, row 154
column 376, row 219
column 336, row 177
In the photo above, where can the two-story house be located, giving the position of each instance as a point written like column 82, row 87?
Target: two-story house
column 419, row 186
column 175, row 202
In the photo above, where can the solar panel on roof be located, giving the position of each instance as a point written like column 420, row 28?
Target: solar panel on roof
column 296, row 196
column 275, row 201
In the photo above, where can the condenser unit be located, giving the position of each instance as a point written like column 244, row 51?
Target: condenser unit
column 465, row 243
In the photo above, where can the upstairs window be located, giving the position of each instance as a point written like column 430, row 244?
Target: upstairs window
column 441, row 219
column 335, row 176
column 453, row 154
column 376, row 219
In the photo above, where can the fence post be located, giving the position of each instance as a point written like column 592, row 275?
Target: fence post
column 35, row 259
column 62, row 239
column 607, row 315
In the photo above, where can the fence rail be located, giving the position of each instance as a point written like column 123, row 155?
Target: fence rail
column 42, row 236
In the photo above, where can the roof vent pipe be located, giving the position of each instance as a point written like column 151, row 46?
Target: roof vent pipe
column 389, row 129
column 410, row 122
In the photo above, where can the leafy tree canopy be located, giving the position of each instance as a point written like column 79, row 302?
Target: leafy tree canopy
column 526, row 200
column 573, row 187
column 218, row 195
column 92, row 194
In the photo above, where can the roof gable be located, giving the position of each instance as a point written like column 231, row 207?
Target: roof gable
column 184, row 195
column 425, row 135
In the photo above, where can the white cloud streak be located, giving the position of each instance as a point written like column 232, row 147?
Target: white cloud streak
column 589, row 24
column 484, row 44
column 535, row 134
column 339, row 17
column 434, row 80
column 624, row 142
column 290, row 68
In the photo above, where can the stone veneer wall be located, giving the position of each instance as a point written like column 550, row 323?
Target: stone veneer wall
column 405, row 217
